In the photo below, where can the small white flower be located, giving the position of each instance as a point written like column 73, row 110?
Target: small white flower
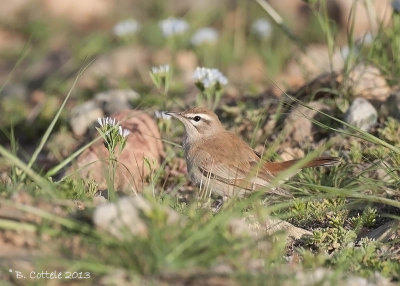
column 173, row 26
column 126, row 133
column 160, row 69
column 125, row 28
column 262, row 28
column 204, row 35
column 103, row 122
column 123, row 132
column 209, row 77
column 162, row 115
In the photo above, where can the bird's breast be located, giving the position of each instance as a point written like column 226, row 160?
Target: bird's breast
column 192, row 163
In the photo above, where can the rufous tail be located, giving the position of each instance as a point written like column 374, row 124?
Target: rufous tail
column 323, row 161
column 276, row 167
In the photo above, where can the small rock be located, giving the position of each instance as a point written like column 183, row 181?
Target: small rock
column 256, row 229
column 382, row 175
column 83, row 116
column 366, row 81
column 298, row 124
column 384, row 232
column 115, row 100
column 272, row 225
column 361, row 114
column 132, row 170
column 125, row 218
column 292, row 153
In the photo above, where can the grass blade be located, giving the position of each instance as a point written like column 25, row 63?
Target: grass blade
column 24, row 53
column 54, row 121
column 67, row 160
column 8, row 224
column 44, row 184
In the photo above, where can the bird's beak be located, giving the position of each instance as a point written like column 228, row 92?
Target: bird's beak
column 174, row 114
column 177, row 115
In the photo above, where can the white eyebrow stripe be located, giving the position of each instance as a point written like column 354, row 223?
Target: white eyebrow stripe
column 204, row 116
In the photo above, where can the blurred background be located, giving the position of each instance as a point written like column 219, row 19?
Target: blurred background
column 44, row 43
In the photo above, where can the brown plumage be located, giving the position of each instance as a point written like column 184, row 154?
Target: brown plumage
column 219, row 161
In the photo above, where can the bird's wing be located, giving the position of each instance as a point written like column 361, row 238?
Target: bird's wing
column 246, row 175
column 232, row 162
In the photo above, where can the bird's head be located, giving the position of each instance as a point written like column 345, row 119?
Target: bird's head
column 199, row 123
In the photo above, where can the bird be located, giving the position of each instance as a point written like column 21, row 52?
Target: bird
column 219, row 162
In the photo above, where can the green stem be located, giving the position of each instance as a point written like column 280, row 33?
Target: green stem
column 112, row 170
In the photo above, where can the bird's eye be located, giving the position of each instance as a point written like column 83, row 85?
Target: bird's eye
column 197, row 118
